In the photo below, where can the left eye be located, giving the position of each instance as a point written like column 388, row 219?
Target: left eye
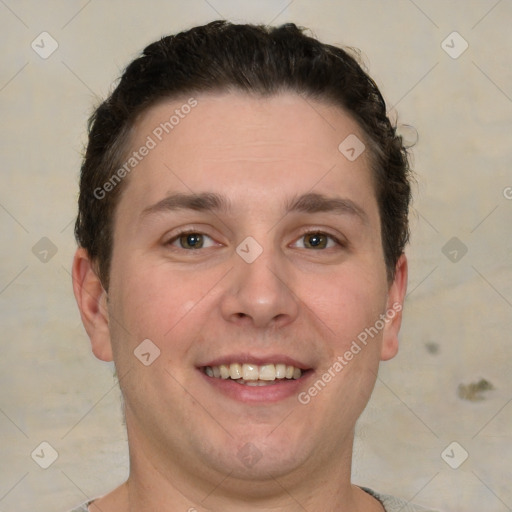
column 317, row 240
column 191, row 240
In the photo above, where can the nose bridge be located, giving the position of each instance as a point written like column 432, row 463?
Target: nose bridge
column 258, row 290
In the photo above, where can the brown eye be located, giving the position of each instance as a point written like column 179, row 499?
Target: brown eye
column 316, row 240
column 191, row 240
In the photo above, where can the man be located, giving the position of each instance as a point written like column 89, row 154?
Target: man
column 242, row 220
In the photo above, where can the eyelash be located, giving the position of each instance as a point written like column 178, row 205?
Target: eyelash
column 178, row 235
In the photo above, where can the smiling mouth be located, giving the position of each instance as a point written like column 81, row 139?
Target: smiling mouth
column 253, row 374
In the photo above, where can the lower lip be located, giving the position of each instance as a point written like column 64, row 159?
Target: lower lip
column 270, row 393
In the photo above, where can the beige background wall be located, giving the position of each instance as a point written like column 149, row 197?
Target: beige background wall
column 458, row 313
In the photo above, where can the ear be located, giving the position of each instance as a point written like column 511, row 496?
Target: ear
column 92, row 303
column 394, row 307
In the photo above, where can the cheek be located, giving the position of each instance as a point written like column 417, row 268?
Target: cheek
column 347, row 303
column 348, row 307
column 144, row 306
column 152, row 302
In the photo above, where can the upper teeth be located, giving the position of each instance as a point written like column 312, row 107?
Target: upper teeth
column 237, row 371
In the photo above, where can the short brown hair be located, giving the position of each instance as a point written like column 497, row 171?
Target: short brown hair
column 222, row 56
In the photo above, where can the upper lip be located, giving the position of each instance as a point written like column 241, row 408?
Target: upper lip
column 247, row 358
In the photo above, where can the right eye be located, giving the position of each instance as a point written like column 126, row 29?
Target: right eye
column 190, row 240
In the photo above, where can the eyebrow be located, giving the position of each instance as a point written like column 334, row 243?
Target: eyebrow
column 206, row 201
column 218, row 203
column 315, row 203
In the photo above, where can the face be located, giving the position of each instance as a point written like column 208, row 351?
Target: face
column 247, row 248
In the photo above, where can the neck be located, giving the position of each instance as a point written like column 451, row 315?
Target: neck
column 159, row 482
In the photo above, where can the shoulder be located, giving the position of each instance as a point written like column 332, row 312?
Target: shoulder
column 82, row 508
column 394, row 504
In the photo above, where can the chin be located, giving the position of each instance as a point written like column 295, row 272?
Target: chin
column 262, row 456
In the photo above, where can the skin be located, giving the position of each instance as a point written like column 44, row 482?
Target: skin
column 200, row 304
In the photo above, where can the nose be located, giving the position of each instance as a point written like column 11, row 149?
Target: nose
column 259, row 293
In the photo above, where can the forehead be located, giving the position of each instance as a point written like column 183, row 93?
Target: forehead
column 234, row 142
column 216, row 119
